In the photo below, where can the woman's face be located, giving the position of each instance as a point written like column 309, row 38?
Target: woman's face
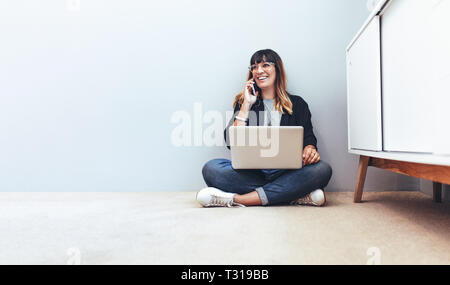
column 264, row 74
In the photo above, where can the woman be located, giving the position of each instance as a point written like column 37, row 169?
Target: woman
column 251, row 187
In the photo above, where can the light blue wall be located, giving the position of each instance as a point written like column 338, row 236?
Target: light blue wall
column 87, row 92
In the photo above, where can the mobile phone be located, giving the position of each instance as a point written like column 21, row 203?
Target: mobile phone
column 255, row 88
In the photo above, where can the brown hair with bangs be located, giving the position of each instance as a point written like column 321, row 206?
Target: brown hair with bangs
column 282, row 101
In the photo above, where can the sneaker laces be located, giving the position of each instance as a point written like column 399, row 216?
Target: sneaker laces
column 304, row 200
column 221, row 201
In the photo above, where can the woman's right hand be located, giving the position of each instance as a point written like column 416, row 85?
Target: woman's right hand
column 249, row 98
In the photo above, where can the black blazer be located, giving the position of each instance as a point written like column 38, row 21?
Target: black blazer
column 301, row 116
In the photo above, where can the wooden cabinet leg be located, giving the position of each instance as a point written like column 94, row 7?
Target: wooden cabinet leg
column 361, row 178
column 437, row 192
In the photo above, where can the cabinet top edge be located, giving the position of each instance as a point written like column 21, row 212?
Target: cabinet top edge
column 381, row 6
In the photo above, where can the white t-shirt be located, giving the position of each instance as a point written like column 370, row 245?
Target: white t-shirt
column 271, row 116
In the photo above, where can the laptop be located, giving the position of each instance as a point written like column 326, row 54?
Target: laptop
column 266, row 147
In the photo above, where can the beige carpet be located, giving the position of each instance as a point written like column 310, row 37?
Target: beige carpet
column 170, row 228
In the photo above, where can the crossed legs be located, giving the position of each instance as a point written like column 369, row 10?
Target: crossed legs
column 255, row 187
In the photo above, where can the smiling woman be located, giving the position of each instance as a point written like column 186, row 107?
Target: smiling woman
column 265, row 91
column 267, row 70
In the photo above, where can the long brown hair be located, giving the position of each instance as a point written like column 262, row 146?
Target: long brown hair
column 282, row 101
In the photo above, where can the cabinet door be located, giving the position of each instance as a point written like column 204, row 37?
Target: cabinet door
column 439, row 82
column 364, row 90
column 415, row 73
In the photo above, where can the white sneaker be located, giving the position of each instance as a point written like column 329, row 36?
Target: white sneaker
column 315, row 198
column 213, row 197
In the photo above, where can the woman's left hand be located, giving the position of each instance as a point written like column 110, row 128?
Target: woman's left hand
column 310, row 155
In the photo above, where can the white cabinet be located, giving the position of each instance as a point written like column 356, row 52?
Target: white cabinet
column 364, row 89
column 407, row 98
column 399, row 83
column 439, row 81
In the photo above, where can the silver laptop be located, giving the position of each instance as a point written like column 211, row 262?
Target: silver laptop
column 264, row 147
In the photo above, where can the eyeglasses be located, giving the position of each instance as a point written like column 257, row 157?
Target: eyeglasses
column 266, row 66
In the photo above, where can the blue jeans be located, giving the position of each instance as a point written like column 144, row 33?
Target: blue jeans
column 274, row 186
